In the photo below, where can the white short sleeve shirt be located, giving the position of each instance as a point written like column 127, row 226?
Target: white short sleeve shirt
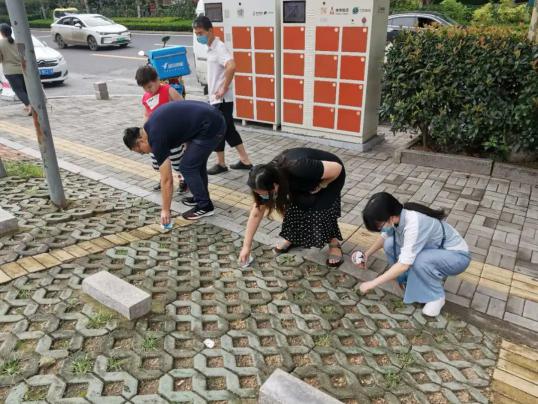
column 217, row 57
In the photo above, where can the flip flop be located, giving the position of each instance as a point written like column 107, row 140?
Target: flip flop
column 333, row 257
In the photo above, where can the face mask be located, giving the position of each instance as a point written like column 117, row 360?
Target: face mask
column 202, row 39
column 387, row 228
column 265, row 198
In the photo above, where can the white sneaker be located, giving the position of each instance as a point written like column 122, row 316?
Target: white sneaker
column 432, row 309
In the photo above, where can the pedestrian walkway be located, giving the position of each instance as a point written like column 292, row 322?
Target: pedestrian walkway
column 498, row 218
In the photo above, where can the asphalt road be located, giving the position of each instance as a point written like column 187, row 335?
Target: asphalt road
column 114, row 65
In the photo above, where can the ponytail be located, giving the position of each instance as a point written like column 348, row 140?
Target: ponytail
column 6, row 31
column 417, row 207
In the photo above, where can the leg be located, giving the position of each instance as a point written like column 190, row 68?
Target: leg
column 243, row 156
column 431, row 267
column 233, row 138
column 16, row 81
column 193, row 169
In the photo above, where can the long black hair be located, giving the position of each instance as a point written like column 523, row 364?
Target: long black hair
column 264, row 177
column 6, row 31
column 383, row 205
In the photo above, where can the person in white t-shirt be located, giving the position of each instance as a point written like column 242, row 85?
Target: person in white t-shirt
column 220, row 74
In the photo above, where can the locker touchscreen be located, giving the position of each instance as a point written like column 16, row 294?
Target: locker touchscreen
column 294, row 12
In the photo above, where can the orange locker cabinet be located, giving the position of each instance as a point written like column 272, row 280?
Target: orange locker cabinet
column 243, row 86
column 352, row 68
column 265, row 111
column 327, row 39
column 241, row 38
column 244, row 108
column 294, row 38
column 264, row 38
column 351, row 94
column 323, row 117
column 265, row 63
column 293, row 64
column 265, row 87
column 219, row 33
column 354, row 39
column 293, row 89
column 293, row 113
column 325, row 92
column 349, row 120
column 326, row 66
column 243, row 62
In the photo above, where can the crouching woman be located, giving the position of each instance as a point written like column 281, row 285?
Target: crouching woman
column 421, row 248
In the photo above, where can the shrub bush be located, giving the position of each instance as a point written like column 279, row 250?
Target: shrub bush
column 505, row 12
column 472, row 91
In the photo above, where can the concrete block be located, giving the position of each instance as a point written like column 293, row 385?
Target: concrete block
column 447, row 161
column 101, row 90
column 117, row 294
column 515, row 173
column 283, row 388
column 8, row 222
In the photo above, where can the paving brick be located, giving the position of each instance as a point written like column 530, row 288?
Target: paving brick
column 493, row 289
column 467, row 289
column 515, row 305
column 76, row 251
column 117, row 294
column 3, row 277
column 8, row 222
column 30, row 264
column 47, row 260
column 480, row 302
column 530, row 310
column 496, row 308
column 521, row 321
column 13, row 270
column 61, row 255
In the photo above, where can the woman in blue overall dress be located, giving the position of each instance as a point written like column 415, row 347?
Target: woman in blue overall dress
column 421, row 248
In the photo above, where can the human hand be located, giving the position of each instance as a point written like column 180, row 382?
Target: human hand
column 165, row 217
column 366, row 287
column 364, row 260
column 244, row 255
column 220, row 93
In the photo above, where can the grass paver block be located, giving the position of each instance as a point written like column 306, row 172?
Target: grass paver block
column 8, row 222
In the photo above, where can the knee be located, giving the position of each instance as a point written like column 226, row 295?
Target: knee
column 388, row 246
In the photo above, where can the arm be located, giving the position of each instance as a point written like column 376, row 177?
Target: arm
column 394, row 271
column 229, row 73
column 378, row 244
column 331, row 171
column 167, row 186
column 254, row 220
column 174, row 95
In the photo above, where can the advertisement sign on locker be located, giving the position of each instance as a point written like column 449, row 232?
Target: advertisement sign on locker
column 252, row 32
column 332, row 56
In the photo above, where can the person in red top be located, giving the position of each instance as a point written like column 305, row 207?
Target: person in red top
column 157, row 94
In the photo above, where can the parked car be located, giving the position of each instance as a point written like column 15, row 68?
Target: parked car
column 52, row 65
column 93, row 30
column 62, row 12
column 415, row 20
column 200, row 52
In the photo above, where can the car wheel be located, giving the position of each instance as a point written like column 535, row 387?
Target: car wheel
column 124, row 45
column 60, row 41
column 92, row 43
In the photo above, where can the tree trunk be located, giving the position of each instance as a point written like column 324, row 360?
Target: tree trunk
column 533, row 29
column 3, row 172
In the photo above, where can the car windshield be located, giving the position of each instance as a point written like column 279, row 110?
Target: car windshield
column 97, row 21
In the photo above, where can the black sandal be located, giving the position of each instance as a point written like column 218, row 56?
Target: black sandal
column 285, row 250
column 334, row 257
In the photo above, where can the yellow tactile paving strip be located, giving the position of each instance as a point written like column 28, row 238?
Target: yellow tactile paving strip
column 515, row 378
column 493, row 277
column 40, row 262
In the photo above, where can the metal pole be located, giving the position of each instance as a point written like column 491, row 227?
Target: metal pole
column 23, row 38
column 3, row 172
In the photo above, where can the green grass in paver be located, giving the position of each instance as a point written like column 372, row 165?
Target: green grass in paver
column 24, row 294
column 322, row 340
column 150, row 343
column 121, row 252
column 328, row 309
column 392, row 379
column 23, row 169
column 115, row 364
column 82, row 365
column 100, row 319
column 406, row 359
column 36, row 393
column 11, row 367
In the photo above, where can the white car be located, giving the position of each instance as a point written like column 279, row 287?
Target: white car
column 200, row 51
column 52, row 65
column 93, row 30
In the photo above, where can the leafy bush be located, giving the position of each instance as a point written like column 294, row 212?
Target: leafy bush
column 505, row 12
column 471, row 90
column 456, row 10
column 405, row 5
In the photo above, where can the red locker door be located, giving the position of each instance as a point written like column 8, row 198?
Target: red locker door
column 349, row 120
column 219, row 32
column 293, row 89
column 293, row 64
column 243, row 86
column 265, row 111
column 243, row 62
column 244, row 108
column 293, row 113
column 351, row 94
column 241, row 38
column 354, row 39
column 325, row 92
column 265, row 63
column 264, row 38
column 323, row 117
column 265, row 87
column 326, row 66
column 294, row 38
column 327, row 39
column 352, row 68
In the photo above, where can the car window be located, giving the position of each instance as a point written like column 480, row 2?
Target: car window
column 424, row 22
column 97, row 21
column 77, row 21
column 65, row 21
column 408, row 21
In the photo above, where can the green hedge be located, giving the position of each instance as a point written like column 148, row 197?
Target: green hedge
column 143, row 24
column 472, row 91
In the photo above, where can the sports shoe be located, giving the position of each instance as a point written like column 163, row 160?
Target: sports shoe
column 197, row 213
column 182, row 188
column 157, row 187
column 240, row 166
column 432, row 309
column 217, row 169
column 188, row 201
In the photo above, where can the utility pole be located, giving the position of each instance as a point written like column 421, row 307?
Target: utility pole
column 21, row 28
column 533, row 28
column 3, row 172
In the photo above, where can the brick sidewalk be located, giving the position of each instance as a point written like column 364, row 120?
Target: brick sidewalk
column 498, row 218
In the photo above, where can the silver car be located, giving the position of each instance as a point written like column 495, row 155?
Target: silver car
column 93, row 30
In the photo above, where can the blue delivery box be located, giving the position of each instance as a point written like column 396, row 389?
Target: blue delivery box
column 170, row 62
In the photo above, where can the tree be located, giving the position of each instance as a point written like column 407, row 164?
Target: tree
column 533, row 29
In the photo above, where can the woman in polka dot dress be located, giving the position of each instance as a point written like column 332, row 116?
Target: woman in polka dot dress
column 304, row 186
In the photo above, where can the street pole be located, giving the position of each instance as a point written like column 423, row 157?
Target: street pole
column 23, row 38
column 533, row 28
column 3, row 172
